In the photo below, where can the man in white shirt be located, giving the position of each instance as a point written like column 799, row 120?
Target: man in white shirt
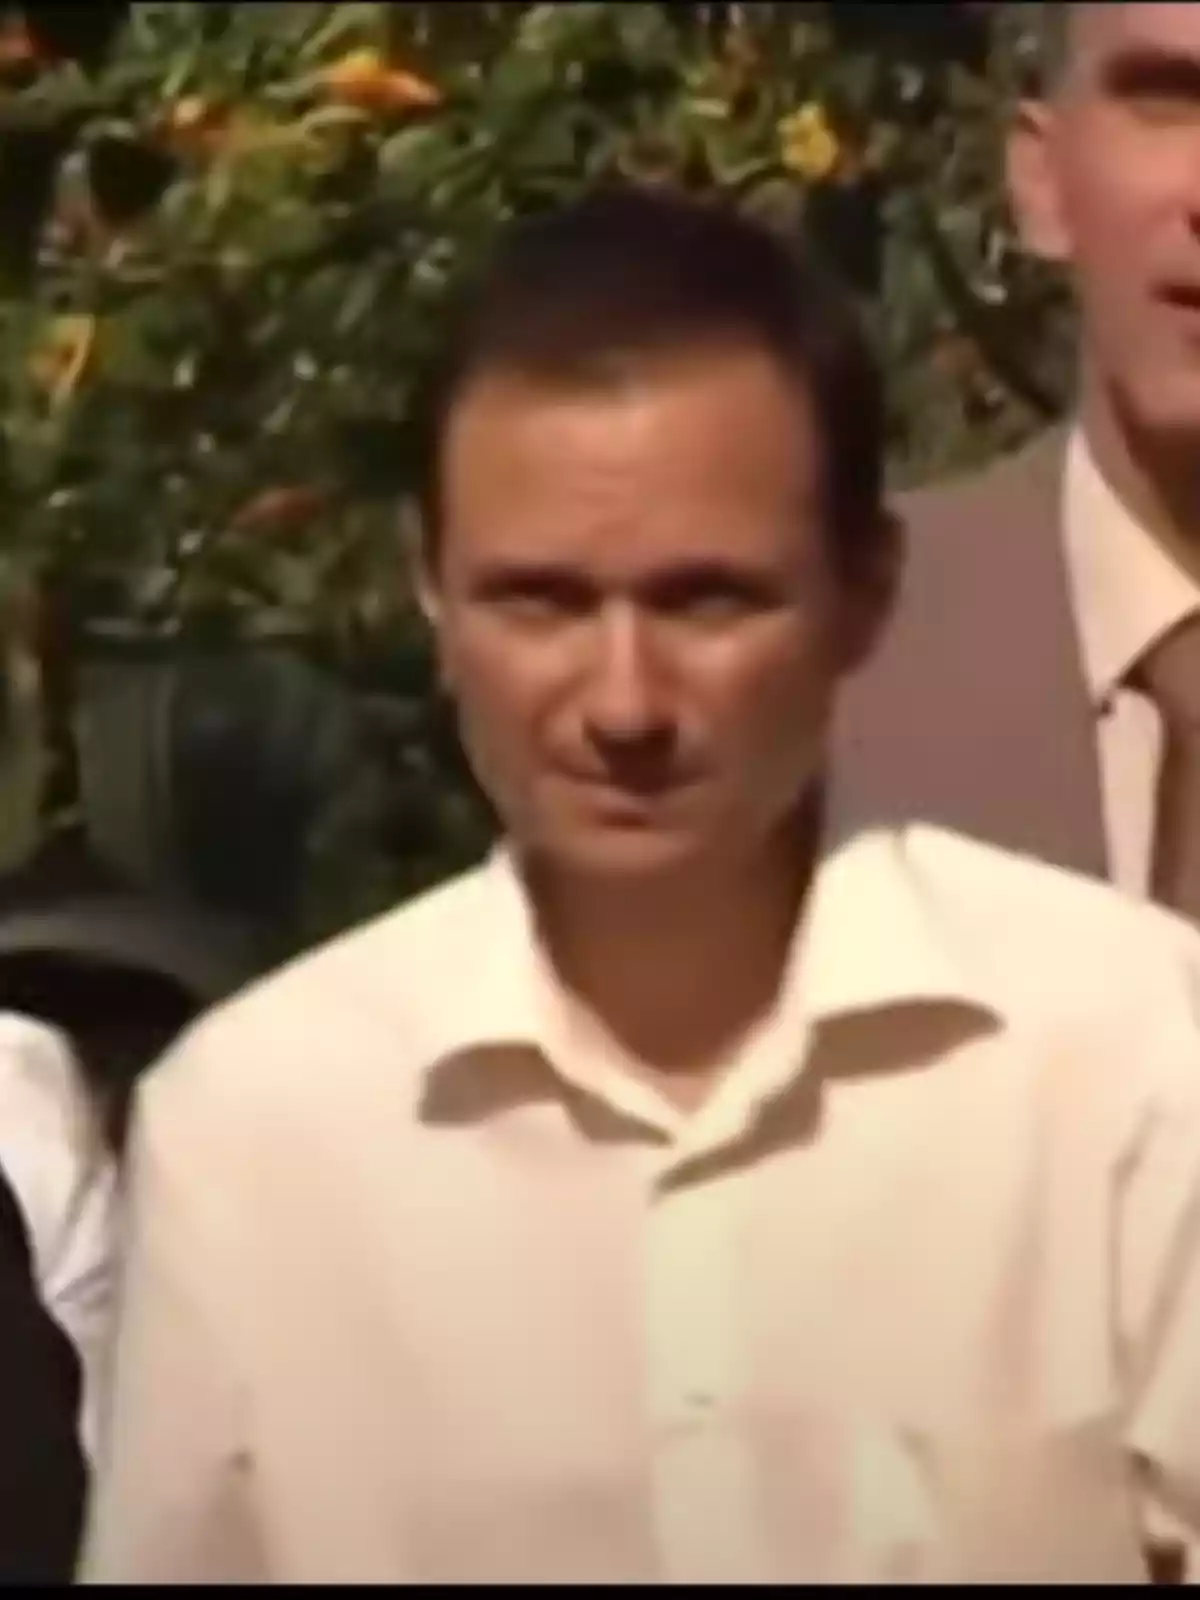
column 696, row 1191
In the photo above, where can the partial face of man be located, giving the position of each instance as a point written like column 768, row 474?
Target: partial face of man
column 1106, row 177
column 636, row 609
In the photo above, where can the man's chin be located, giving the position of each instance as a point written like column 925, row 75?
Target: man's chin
column 627, row 851
column 1166, row 413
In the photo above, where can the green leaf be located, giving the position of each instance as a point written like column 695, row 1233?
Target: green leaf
column 561, row 30
column 416, row 153
column 22, row 760
column 342, row 24
column 267, row 296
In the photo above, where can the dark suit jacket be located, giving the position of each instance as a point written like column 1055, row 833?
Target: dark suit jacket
column 974, row 714
column 42, row 1471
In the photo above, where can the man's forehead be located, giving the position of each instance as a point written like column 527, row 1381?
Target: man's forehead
column 1096, row 32
column 732, row 418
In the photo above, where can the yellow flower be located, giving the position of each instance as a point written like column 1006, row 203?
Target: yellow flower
column 808, row 146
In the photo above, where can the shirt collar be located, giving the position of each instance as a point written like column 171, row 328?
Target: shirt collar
column 1127, row 590
column 494, row 943
column 868, row 939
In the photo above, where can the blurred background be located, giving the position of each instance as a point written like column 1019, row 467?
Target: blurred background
column 225, row 235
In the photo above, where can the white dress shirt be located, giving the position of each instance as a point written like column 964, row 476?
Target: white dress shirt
column 54, row 1158
column 425, row 1283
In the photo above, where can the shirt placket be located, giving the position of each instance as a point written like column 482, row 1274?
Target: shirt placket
column 707, row 1513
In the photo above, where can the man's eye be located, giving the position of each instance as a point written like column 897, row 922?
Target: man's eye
column 712, row 605
column 1167, row 107
column 542, row 605
column 720, row 603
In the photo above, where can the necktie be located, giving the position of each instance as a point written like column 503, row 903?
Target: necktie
column 1170, row 673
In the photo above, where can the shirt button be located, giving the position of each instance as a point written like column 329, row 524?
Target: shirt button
column 688, row 1411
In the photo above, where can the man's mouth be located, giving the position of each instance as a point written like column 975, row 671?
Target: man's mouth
column 633, row 787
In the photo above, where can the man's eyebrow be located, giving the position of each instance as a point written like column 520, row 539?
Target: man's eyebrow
column 501, row 576
column 1145, row 69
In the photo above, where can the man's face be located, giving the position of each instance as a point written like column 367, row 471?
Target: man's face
column 1106, row 177
column 636, row 611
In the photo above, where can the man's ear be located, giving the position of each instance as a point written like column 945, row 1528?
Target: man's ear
column 1033, row 187
column 427, row 593
column 425, row 588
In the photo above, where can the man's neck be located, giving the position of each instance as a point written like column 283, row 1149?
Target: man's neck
column 1157, row 480
column 678, row 972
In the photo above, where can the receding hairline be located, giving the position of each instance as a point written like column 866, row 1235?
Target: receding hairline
column 616, row 370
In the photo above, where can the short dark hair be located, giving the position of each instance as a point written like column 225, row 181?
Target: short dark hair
column 574, row 295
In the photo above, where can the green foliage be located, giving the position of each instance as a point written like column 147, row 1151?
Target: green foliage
column 227, row 234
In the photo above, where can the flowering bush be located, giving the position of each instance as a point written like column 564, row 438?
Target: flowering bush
column 226, row 232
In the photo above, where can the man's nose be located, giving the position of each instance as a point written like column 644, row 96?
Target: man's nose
column 625, row 703
column 1188, row 181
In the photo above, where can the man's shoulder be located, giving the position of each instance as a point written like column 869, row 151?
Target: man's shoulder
column 973, row 542
column 1044, row 930
column 965, row 505
column 1104, row 984
column 346, row 1003
column 950, row 693
column 370, row 958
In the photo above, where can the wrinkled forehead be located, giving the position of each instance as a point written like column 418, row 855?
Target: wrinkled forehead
column 1098, row 35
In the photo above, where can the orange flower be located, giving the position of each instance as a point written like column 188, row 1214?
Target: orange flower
column 365, row 80
column 17, row 43
column 279, row 507
column 59, row 361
